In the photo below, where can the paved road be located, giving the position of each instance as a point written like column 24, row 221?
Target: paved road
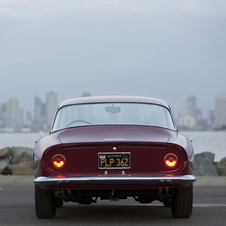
column 17, row 208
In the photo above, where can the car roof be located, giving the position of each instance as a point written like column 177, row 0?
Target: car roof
column 107, row 99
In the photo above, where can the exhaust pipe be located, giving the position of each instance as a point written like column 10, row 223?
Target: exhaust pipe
column 170, row 192
column 67, row 195
column 61, row 194
column 166, row 192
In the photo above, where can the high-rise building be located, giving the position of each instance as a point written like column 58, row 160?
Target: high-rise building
column 188, row 114
column 14, row 117
column 39, row 114
column 220, row 111
column 3, row 115
column 51, row 105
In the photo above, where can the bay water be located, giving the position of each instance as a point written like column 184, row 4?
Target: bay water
column 204, row 141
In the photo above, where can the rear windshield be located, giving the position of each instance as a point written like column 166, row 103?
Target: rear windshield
column 113, row 114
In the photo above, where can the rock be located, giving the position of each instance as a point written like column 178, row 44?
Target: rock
column 204, row 164
column 221, row 167
column 4, row 152
column 7, row 171
column 23, row 168
column 18, row 161
column 209, row 155
column 223, row 173
column 3, row 164
column 16, row 152
column 24, row 157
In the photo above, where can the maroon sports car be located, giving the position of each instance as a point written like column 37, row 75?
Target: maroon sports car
column 113, row 148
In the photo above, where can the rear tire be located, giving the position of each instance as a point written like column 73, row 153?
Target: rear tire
column 45, row 204
column 182, row 203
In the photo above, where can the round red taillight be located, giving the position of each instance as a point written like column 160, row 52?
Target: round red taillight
column 58, row 160
column 170, row 160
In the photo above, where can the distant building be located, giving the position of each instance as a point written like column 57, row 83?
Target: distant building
column 86, row 94
column 14, row 114
column 3, row 115
column 220, row 111
column 188, row 114
column 39, row 114
column 27, row 119
column 51, row 105
column 212, row 117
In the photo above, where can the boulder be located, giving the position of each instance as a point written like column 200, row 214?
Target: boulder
column 204, row 164
column 4, row 152
column 25, row 157
column 3, row 164
column 16, row 152
column 23, row 168
column 221, row 167
column 18, row 161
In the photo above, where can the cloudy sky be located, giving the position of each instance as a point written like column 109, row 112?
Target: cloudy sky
column 159, row 48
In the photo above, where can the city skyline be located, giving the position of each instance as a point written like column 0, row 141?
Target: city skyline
column 175, row 107
column 86, row 92
column 14, row 117
column 189, row 117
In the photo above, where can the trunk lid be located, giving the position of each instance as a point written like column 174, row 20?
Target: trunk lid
column 100, row 134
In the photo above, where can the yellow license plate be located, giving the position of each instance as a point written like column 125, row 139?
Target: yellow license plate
column 114, row 160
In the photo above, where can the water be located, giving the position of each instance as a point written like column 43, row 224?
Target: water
column 19, row 139
column 210, row 141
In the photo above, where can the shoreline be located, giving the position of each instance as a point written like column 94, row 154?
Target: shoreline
column 28, row 181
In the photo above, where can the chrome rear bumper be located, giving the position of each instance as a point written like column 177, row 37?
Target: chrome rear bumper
column 120, row 180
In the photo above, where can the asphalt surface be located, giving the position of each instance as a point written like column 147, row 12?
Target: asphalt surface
column 17, row 208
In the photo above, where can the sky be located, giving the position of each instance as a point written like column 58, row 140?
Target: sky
column 164, row 49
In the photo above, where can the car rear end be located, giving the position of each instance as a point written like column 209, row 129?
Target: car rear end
column 114, row 160
column 115, row 168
